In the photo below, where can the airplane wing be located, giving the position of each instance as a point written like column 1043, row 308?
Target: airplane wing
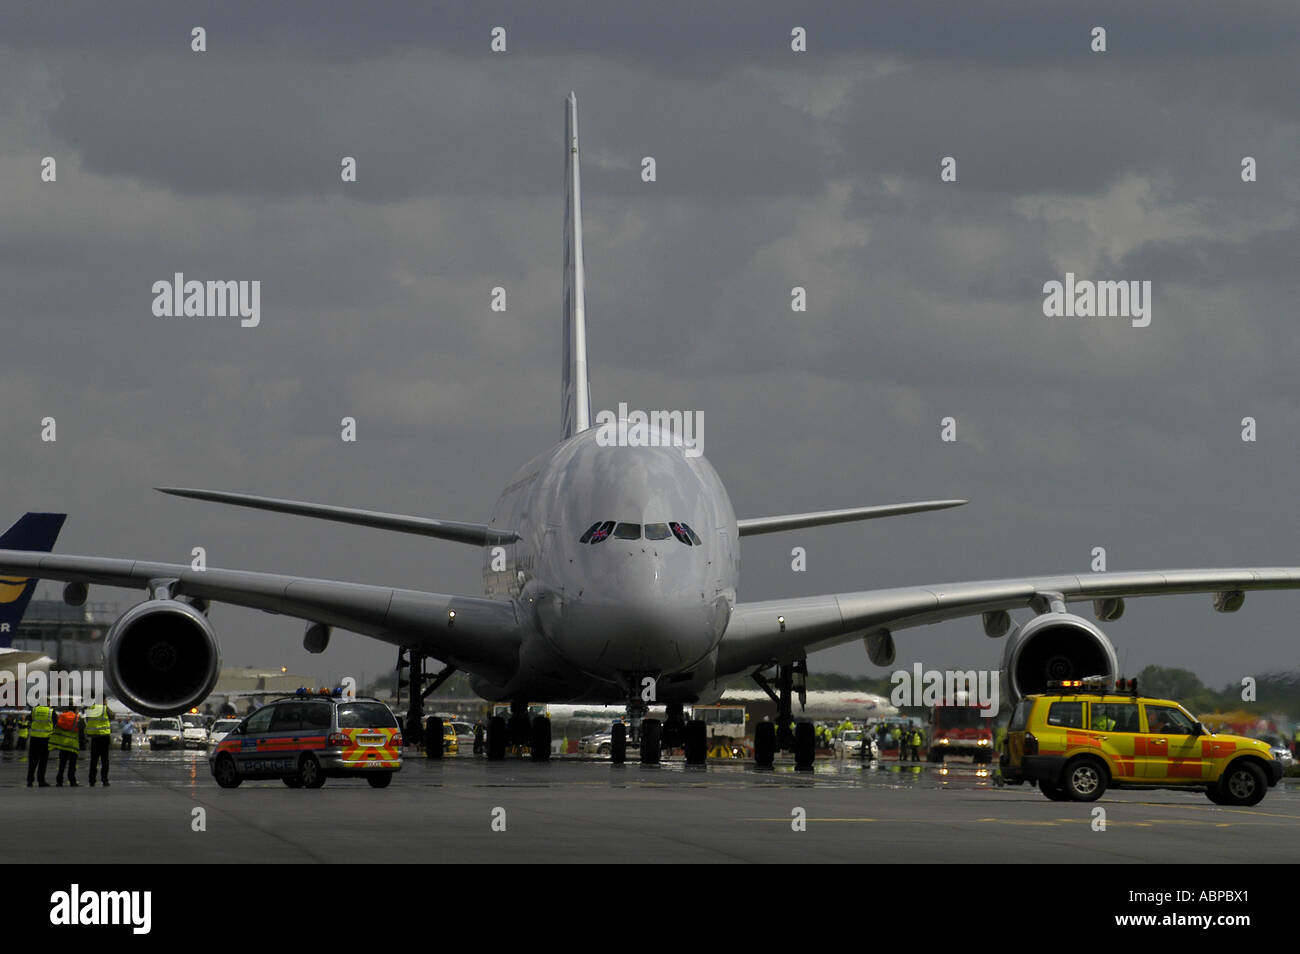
column 482, row 636
column 798, row 521
column 475, row 534
column 772, row 631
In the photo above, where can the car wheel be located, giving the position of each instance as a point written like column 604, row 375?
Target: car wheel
column 310, row 774
column 1243, row 784
column 604, row 749
column 380, row 779
column 1054, row 792
column 1085, row 780
column 225, row 772
column 292, row 781
column 1214, row 795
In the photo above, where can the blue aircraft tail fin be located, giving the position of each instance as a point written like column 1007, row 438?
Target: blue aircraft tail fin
column 33, row 531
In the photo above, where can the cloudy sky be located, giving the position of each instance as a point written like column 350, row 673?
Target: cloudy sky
column 818, row 169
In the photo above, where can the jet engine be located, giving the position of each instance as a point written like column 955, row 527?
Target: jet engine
column 1055, row 646
column 161, row 657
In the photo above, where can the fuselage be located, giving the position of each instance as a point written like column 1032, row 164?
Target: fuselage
column 625, row 567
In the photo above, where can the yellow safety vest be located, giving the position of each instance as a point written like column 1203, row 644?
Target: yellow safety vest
column 42, row 722
column 65, row 739
column 97, row 721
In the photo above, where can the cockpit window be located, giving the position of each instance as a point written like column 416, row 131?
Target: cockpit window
column 601, row 531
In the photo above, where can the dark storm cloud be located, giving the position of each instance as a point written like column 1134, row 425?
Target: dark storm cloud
column 774, row 170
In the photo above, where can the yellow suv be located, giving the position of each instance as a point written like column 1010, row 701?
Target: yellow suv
column 1081, row 737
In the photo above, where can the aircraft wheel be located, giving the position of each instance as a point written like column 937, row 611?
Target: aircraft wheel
column 651, row 741
column 697, row 742
column 805, row 746
column 539, row 745
column 433, row 737
column 618, row 743
column 764, row 744
column 496, row 739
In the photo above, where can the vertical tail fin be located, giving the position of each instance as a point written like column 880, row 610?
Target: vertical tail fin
column 33, row 531
column 575, row 407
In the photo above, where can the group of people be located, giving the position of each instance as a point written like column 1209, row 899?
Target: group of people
column 63, row 731
column 906, row 738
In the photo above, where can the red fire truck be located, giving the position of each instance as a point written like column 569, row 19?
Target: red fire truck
column 961, row 729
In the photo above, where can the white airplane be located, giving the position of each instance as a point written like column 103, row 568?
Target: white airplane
column 610, row 575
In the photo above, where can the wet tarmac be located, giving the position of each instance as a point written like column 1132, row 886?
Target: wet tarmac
column 465, row 809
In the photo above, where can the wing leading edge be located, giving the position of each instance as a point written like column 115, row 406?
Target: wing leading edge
column 475, row 534
column 783, row 630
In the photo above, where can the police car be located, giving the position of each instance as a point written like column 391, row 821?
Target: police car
column 1082, row 737
column 306, row 738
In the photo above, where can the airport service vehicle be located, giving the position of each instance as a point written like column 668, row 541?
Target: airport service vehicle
column 850, row 742
column 721, row 721
column 450, row 741
column 960, row 729
column 306, row 738
column 195, row 731
column 165, row 733
column 610, row 569
column 219, row 730
column 1281, row 751
column 1082, row 737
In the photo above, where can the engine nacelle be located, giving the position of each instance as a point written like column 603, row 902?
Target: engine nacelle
column 1055, row 646
column 161, row 657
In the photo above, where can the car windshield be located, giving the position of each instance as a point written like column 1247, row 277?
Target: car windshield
column 164, row 723
column 193, row 721
column 224, row 725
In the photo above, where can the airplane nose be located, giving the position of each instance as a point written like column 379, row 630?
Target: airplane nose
column 640, row 618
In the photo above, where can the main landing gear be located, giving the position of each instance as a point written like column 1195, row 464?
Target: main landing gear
column 782, row 733
column 519, row 730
